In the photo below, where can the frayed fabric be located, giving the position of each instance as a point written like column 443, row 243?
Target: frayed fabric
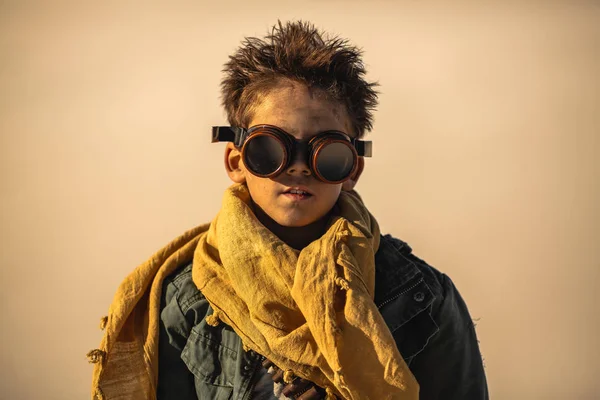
column 330, row 394
column 103, row 322
column 99, row 394
column 213, row 319
column 95, row 356
column 288, row 376
column 342, row 283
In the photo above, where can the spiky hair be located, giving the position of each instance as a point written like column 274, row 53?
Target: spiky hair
column 299, row 52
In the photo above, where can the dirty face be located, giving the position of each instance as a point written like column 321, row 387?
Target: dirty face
column 295, row 198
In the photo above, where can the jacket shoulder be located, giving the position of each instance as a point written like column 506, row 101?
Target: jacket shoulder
column 396, row 265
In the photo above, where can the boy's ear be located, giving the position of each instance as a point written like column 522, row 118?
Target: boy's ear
column 233, row 164
column 350, row 183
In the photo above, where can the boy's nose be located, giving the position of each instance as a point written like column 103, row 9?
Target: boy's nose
column 298, row 167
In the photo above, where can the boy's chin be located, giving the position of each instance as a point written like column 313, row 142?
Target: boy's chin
column 295, row 221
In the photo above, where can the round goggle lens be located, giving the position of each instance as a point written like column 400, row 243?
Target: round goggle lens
column 264, row 154
column 335, row 161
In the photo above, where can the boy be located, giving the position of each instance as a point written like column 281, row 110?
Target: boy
column 291, row 291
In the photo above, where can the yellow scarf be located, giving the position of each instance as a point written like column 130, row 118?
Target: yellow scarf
column 311, row 313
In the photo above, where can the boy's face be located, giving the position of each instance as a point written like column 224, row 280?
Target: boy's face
column 293, row 108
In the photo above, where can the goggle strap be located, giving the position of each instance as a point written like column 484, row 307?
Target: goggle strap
column 363, row 148
column 228, row 134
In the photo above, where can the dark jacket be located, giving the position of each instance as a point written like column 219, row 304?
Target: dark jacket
column 421, row 306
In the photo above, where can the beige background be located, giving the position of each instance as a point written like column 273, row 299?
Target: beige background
column 485, row 161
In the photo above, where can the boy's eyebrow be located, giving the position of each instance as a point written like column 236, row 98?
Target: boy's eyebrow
column 287, row 128
column 291, row 130
column 283, row 124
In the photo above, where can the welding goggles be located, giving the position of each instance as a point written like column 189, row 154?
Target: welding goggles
column 267, row 151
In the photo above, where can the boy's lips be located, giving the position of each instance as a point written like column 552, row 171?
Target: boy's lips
column 298, row 193
column 302, row 190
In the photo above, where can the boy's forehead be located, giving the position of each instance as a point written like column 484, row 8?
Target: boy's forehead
column 300, row 111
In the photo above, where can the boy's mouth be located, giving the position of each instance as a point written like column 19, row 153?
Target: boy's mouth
column 297, row 193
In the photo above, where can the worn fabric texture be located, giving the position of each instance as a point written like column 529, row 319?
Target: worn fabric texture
column 126, row 364
column 306, row 311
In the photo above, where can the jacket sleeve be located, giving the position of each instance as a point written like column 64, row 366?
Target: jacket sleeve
column 450, row 367
column 175, row 381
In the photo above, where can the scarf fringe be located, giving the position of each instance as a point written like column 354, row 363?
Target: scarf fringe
column 288, row 376
column 95, row 356
column 213, row 319
column 342, row 283
column 103, row 322
column 330, row 395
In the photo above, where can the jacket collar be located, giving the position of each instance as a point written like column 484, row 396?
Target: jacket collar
column 394, row 270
